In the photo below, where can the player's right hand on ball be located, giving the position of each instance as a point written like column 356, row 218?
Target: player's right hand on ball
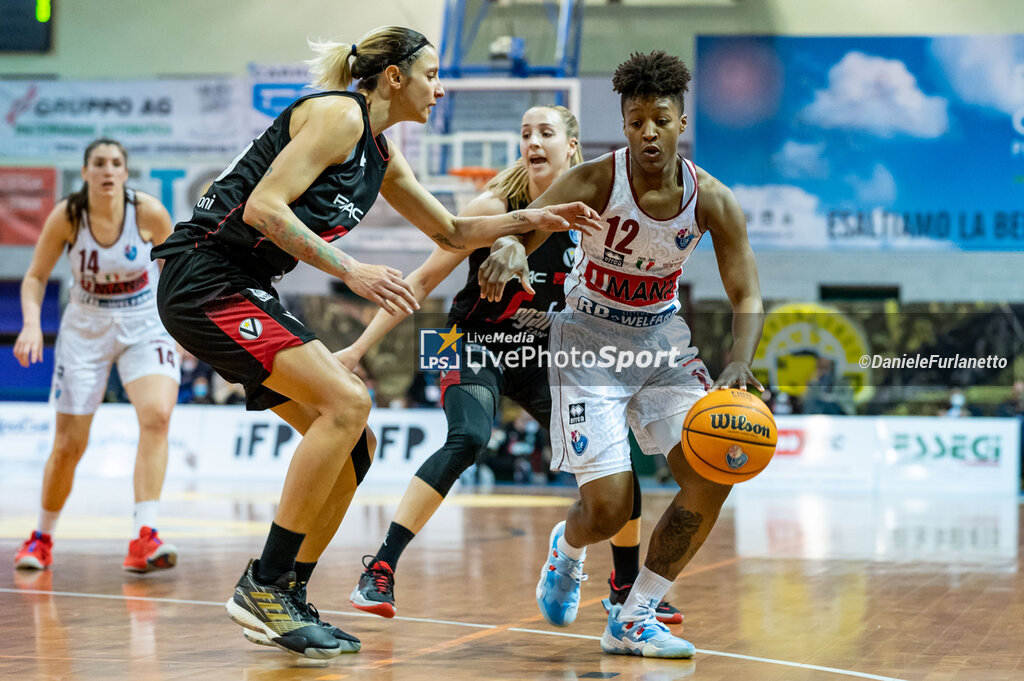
column 382, row 285
column 28, row 348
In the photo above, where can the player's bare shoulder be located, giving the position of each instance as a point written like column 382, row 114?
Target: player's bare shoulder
column 717, row 207
column 330, row 115
column 59, row 225
column 152, row 218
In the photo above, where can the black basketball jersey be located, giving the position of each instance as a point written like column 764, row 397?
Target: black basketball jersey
column 331, row 207
column 518, row 310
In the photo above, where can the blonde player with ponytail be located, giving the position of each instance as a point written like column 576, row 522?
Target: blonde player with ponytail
column 306, row 181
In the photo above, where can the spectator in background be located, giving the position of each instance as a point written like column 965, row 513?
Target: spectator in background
column 958, row 406
column 195, row 380
column 828, row 393
column 225, row 392
column 524, row 448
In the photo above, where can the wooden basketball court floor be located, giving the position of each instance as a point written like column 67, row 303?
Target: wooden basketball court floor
column 793, row 587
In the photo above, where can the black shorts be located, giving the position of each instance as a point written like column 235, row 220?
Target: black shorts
column 526, row 386
column 229, row 318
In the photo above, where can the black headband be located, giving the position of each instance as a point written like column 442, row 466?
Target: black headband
column 423, row 42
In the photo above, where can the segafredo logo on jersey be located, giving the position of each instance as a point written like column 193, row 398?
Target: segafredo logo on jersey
column 250, row 328
column 579, row 441
column 440, row 349
column 739, row 423
column 683, row 239
column 634, row 290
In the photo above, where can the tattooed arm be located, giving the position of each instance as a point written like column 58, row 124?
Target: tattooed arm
column 329, row 132
column 421, row 208
column 323, row 132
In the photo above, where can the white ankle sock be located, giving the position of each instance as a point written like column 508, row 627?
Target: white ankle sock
column 47, row 521
column 648, row 586
column 570, row 551
column 144, row 515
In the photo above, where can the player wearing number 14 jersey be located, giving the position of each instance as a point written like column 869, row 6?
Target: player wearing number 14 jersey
column 621, row 295
column 111, row 317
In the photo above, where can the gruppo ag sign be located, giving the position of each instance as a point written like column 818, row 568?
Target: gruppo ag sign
column 164, row 118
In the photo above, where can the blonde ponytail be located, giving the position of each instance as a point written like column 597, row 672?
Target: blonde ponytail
column 512, row 183
column 336, row 65
column 330, row 68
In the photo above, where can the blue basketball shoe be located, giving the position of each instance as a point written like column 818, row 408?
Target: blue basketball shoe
column 641, row 635
column 558, row 591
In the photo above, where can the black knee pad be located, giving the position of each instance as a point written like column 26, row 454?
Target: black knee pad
column 470, row 411
column 361, row 457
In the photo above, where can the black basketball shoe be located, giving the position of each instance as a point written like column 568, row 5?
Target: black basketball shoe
column 376, row 589
column 665, row 612
column 280, row 613
column 349, row 643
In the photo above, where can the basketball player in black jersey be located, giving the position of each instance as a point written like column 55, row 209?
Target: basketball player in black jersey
column 549, row 146
column 306, row 180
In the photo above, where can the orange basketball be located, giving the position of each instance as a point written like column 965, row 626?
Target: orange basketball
column 729, row 436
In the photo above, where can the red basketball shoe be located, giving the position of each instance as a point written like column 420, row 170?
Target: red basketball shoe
column 36, row 553
column 149, row 552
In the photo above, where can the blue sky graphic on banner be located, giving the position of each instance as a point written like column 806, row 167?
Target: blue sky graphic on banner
column 867, row 143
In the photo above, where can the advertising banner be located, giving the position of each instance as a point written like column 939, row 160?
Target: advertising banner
column 211, row 443
column 151, row 118
column 866, row 453
column 867, row 143
column 27, row 195
column 270, row 89
column 822, row 451
column 949, row 454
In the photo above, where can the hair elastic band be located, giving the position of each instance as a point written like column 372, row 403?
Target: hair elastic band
column 353, row 49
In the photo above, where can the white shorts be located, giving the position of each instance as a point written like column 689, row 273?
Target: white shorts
column 90, row 342
column 593, row 408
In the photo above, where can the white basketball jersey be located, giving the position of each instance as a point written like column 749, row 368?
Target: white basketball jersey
column 629, row 272
column 116, row 277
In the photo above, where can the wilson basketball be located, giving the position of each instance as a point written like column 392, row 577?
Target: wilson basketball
column 729, row 436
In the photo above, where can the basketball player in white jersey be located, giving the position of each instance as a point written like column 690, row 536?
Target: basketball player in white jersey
column 111, row 317
column 622, row 294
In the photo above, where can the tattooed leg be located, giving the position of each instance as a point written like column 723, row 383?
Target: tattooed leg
column 687, row 522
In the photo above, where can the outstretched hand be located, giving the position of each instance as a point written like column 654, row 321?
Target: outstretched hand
column 565, row 216
column 505, row 263
column 382, row 285
column 737, row 375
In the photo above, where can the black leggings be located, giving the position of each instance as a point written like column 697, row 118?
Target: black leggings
column 470, row 410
